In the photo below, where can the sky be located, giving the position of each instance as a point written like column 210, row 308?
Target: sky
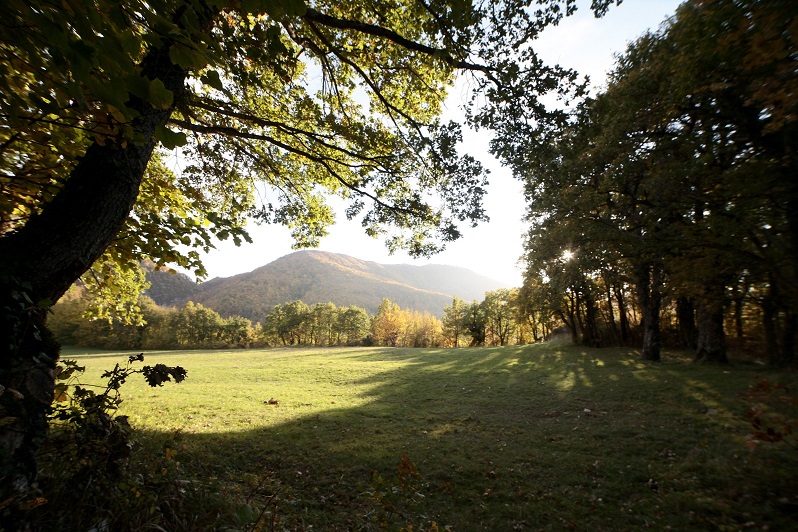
column 491, row 249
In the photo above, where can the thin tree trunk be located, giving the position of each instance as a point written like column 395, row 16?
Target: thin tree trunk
column 770, row 327
column 570, row 321
column 533, row 327
column 738, row 318
column 579, row 322
column 623, row 317
column 611, row 316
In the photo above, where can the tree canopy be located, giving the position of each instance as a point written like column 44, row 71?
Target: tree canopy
column 678, row 180
column 310, row 100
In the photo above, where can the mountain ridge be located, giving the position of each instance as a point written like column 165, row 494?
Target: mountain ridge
column 314, row 276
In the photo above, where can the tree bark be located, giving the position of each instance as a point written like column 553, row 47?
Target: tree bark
column 569, row 320
column 711, row 345
column 592, row 336
column 42, row 259
column 685, row 313
column 580, row 324
column 611, row 316
column 770, row 327
column 649, row 296
column 788, row 339
column 623, row 317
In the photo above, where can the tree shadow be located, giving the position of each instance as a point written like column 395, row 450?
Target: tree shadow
column 527, row 437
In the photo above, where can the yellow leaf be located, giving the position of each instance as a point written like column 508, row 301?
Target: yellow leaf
column 60, row 395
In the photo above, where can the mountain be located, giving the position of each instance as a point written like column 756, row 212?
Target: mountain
column 320, row 277
column 169, row 289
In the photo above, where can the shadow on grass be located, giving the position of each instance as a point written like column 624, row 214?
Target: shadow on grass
column 535, row 437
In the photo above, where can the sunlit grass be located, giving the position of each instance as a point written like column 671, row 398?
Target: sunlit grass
column 535, row 437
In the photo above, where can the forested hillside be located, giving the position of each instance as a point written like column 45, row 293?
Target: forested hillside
column 321, row 277
column 169, row 288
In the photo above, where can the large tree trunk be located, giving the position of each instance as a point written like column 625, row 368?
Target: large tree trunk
column 592, row 336
column 649, row 296
column 26, row 391
column 711, row 346
column 41, row 260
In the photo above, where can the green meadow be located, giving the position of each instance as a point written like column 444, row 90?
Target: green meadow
column 542, row 437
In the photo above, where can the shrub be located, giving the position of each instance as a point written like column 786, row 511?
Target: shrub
column 93, row 474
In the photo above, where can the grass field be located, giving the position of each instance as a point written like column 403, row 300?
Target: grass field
column 516, row 438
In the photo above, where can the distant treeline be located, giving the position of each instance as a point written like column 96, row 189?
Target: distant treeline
column 197, row 327
column 503, row 317
column 494, row 321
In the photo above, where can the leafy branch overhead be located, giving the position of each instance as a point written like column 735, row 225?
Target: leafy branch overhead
column 309, row 99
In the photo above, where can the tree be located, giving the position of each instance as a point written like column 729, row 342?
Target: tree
column 714, row 150
column 288, row 322
column 453, row 321
column 741, row 124
column 389, row 324
column 196, row 326
column 680, row 175
column 324, row 318
column 534, row 308
column 191, row 327
column 422, row 330
column 353, row 325
column 89, row 90
column 498, row 307
column 476, row 323
column 238, row 332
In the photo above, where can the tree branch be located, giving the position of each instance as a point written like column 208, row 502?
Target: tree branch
column 310, row 135
column 325, row 162
column 378, row 31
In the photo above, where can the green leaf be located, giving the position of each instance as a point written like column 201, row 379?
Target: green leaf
column 108, row 92
column 187, row 57
column 212, row 79
column 159, row 96
column 170, row 139
column 138, row 86
column 130, row 42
